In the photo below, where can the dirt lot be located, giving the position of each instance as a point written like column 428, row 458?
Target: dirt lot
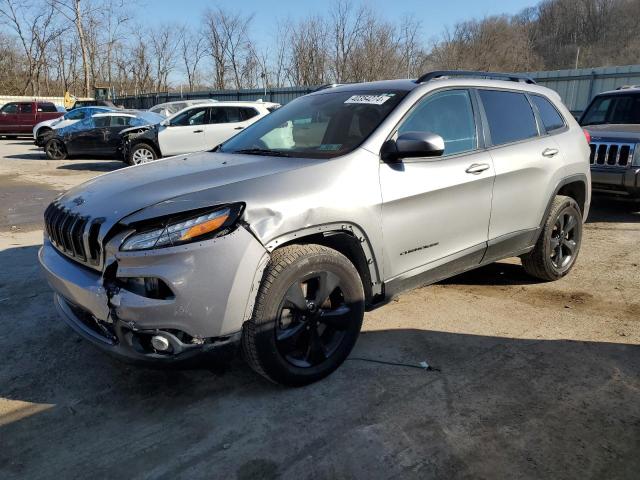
column 535, row 380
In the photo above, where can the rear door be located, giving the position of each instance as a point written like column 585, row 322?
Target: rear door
column 524, row 164
column 185, row 132
column 26, row 117
column 436, row 210
column 9, row 118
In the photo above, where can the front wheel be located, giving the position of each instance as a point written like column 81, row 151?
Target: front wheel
column 141, row 153
column 307, row 315
column 55, row 149
column 557, row 248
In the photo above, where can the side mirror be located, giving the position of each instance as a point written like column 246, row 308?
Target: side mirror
column 412, row 145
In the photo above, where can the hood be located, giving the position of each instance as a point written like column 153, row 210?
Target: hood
column 614, row 132
column 173, row 185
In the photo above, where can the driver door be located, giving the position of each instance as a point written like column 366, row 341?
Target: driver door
column 436, row 209
column 185, row 132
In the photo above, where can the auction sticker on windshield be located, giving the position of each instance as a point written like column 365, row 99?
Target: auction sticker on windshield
column 370, row 99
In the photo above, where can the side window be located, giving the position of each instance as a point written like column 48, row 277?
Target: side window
column 509, row 115
column 233, row 114
column 26, row 108
column 248, row 113
column 98, row 122
column 195, row 116
column 551, row 118
column 86, row 124
column 117, row 121
column 47, row 107
column 10, row 108
column 218, row 115
column 450, row 115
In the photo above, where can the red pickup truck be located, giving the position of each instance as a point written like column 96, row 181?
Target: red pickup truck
column 19, row 118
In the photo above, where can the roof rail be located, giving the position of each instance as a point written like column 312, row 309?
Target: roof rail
column 328, row 85
column 626, row 87
column 512, row 77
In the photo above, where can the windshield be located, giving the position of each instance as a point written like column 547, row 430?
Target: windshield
column 323, row 125
column 613, row 109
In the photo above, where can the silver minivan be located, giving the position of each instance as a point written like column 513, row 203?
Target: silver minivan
column 279, row 239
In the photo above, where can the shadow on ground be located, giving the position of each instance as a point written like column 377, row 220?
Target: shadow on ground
column 610, row 209
column 107, row 165
column 497, row 408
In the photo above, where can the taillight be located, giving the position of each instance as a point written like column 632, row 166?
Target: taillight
column 587, row 135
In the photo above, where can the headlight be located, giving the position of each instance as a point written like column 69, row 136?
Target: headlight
column 636, row 156
column 178, row 231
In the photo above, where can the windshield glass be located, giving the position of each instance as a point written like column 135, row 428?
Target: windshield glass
column 323, row 125
column 613, row 109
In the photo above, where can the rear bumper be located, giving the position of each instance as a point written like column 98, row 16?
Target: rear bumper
column 620, row 181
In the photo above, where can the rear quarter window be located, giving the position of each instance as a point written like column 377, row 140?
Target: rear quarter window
column 551, row 118
column 509, row 115
column 47, row 107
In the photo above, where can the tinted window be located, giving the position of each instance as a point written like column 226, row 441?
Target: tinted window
column 99, row 122
column 509, row 115
column 613, row 109
column 248, row 113
column 551, row 119
column 218, row 115
column 195, row 116
column 47, row 107
column 10, row 108
column 117, row 121
column 26, row 108
column 450, row 115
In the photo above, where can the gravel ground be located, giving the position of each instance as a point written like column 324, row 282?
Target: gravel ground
column 534, row 380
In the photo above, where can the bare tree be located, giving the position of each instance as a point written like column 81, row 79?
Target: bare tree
column 163, row 50
column 347, row 24
column 192, row 50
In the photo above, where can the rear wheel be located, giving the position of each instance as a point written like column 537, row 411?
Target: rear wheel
column 307, row 315
column 55, row 149
column 557, row 248
column 141, row 153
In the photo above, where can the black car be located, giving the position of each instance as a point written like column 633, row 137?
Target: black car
column 97, row 135
column 613, row 122
column 92, row 103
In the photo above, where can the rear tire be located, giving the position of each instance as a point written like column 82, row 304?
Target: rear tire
column 55, row 149
column 559, row 243
column 307, row 316
column 141, row 153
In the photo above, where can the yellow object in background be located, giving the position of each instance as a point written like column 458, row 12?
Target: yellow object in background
column 69, row 100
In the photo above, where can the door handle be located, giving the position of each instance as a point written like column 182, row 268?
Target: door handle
column 477, row 168
column 550, row 152
column 198, row 131
column 238, row 128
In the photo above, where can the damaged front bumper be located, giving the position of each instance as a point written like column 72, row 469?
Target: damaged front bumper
column 208, row 294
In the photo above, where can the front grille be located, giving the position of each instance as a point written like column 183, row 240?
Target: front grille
column 72, row 234
column 606, row 154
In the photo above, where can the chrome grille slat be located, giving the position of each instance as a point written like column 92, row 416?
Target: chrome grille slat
column 611, row 154
column 71, row 234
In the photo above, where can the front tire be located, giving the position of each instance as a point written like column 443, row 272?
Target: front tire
column 55, row 149
column 141, row 153
column 307, row 316
column 557, row 248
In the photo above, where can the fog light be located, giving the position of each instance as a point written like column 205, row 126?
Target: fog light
column 160, row 343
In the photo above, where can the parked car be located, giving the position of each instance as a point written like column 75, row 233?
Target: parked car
column 69, row 118
column 95, row 135
column 195, row 128
column 613, row 121
column 388, row 185
column 169, row 108
column 19, row 118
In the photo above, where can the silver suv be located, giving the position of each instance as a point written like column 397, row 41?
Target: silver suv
column 284, row 235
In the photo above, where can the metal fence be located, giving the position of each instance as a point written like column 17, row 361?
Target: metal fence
column 277, row 95
column 576, row 87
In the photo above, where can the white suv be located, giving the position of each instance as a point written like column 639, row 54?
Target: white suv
column 195, row 128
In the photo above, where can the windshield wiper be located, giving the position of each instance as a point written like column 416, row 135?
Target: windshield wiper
column 262, row 151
